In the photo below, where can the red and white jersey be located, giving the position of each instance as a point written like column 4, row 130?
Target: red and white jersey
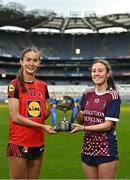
column 96, row 109
column 31, row 106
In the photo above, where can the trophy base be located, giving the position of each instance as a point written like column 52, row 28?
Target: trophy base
column 64, row 126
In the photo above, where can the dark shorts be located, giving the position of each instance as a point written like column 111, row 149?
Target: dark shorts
column 94, row 161
column 24, row 152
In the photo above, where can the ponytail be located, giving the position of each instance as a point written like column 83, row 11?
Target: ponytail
column 21, row 80
column 111, row 83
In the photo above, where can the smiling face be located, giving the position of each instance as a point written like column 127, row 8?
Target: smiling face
column 99, row 74
column 30, row 62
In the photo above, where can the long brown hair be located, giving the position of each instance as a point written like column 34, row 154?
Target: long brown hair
column 110, row 80
column 20, row 72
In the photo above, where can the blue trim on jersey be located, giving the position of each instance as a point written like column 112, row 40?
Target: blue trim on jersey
column 113, row 108
column 112, row 143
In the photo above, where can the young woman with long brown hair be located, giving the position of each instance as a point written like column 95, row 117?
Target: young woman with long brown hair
column 97, row 117
column 27, row 98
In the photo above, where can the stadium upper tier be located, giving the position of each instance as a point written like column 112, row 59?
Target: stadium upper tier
column 14, row 14
column 67, row 46
column 66, row 58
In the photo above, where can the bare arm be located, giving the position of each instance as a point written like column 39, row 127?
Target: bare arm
column 79, row 117
column 19, row 119
column 48, row 111
column 107, row 125
column 48, row 108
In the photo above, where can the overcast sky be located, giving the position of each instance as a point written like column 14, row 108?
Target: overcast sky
column 64, row 7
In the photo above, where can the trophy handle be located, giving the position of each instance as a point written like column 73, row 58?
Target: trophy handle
column 74, row 113
column 54, row 113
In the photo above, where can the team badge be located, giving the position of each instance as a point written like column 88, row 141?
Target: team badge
column 11, row 88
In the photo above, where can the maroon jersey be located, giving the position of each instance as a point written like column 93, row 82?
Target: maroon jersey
column 96, row 109
column 31, row 106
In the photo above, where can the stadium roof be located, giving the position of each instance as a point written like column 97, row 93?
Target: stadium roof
column 16, row 16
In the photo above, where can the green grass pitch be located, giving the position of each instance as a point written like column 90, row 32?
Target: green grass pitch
column 62, row 152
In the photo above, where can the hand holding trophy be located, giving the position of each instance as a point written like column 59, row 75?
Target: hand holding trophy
column 64, row 104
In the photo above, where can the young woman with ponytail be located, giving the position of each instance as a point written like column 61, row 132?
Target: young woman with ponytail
column 99, row 111
column 27, row 106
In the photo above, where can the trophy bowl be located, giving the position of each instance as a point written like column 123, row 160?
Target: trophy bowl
column 65, row 104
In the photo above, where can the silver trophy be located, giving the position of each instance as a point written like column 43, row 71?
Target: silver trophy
column 65, row 104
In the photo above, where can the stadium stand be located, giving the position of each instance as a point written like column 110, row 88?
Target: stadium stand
column 66, row 57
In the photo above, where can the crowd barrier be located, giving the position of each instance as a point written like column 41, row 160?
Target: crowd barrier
column 58, row 91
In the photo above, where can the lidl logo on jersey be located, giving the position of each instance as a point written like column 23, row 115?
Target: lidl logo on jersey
column 11, row 88
column 34, row 109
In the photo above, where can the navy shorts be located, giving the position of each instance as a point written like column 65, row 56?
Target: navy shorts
column 95, row 160
column 24, row 152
